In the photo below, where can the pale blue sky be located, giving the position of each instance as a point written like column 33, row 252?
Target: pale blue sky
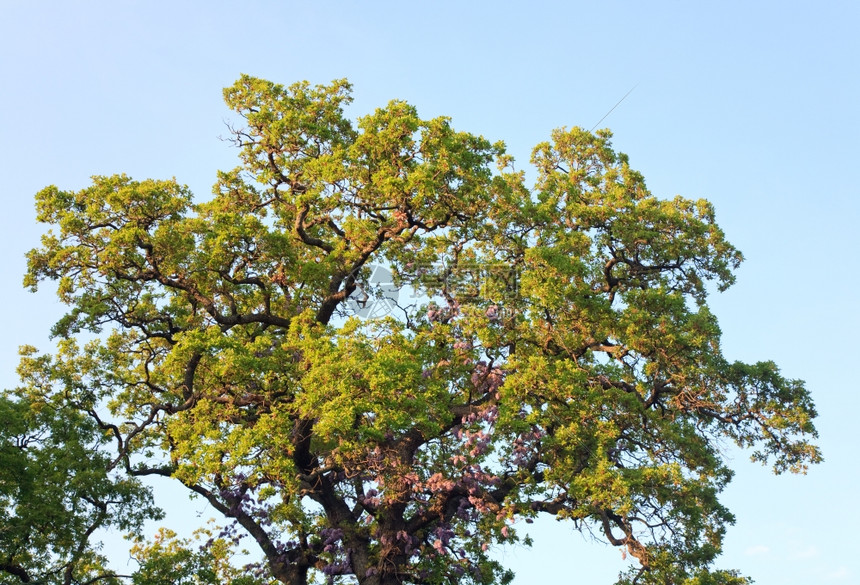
column 753, row 106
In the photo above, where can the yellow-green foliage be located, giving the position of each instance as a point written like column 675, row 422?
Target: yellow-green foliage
column 550, row 351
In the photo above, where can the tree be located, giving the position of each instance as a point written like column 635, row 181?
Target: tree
column 556, row 354
column 56, row 490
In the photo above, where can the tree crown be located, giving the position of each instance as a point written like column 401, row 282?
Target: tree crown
column 555, row 355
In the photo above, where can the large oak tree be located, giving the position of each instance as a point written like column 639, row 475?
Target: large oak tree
column 550, row 351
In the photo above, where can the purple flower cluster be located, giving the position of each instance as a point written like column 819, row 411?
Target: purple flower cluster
column 442, row 537
column 488, row 379
column 370, row 499
column 342, row 567
column 331, row 537
column 525, row 446
column 435, row 313
column 403, row 541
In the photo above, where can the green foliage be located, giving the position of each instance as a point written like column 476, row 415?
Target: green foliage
column 169, row 560
column 56, row 489
column 556, row 356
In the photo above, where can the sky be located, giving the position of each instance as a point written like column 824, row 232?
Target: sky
column 750, row 105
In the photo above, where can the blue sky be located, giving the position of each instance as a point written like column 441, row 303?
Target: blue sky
column 751, row 105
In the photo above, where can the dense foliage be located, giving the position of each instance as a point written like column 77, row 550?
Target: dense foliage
column 550, row 351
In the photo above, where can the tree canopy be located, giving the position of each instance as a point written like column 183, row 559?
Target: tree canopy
column 551, row 351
